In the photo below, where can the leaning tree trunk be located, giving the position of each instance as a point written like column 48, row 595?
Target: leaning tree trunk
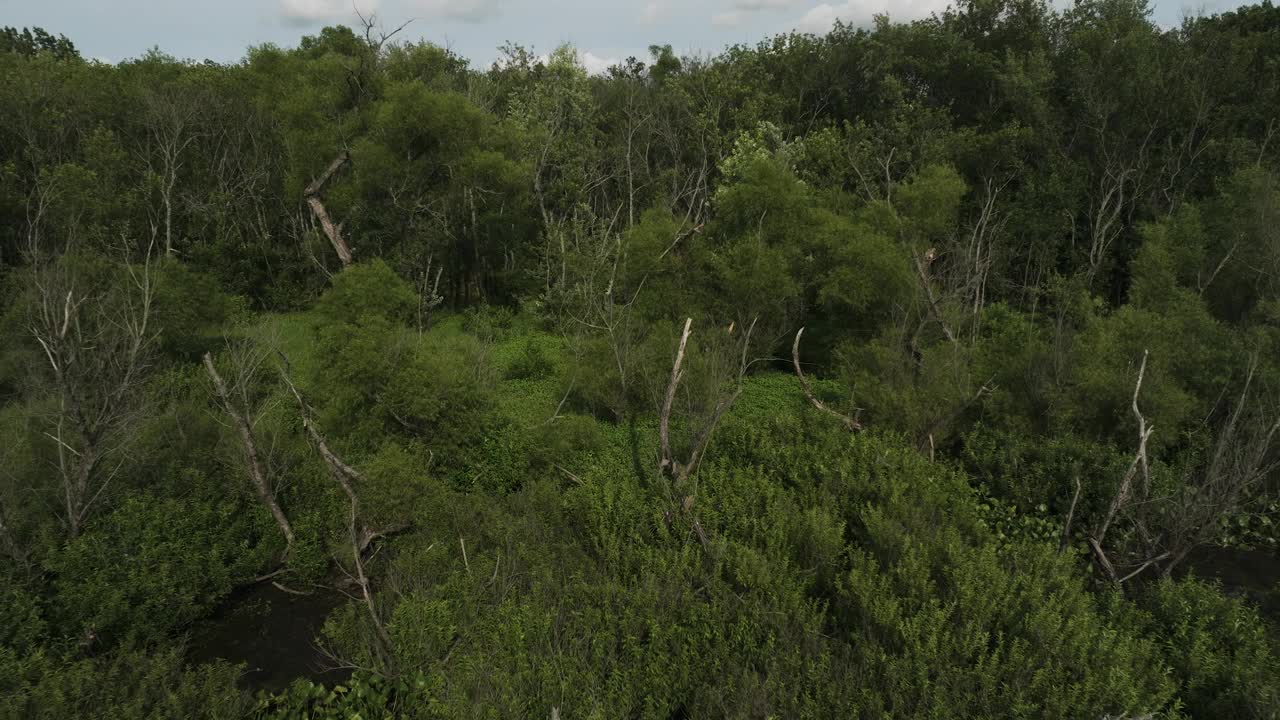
column 360, row 537
column 331, row 229
column 256, row 473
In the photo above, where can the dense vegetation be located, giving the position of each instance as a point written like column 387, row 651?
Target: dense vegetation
column 513, row 358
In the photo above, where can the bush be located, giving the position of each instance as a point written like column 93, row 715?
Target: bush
column 190, row 310
column 153, row 565
column 561, row 440
column 127, row 685
column 533, row 362
column 489, row 323
column 365, row 695
column 364, row 290
column 1218, row 650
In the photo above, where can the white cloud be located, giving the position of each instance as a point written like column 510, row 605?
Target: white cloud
column 862, row 12
column 592, row 63
column 311, row 11
column 595, row 64
column 472, row 11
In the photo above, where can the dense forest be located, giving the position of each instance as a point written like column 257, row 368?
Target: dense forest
column 924, row 370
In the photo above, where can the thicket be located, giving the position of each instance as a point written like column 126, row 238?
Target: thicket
column 898, row 372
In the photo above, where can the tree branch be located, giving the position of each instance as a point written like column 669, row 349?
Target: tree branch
column 849, row 422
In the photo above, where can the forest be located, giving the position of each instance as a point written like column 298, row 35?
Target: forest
column 921, row 370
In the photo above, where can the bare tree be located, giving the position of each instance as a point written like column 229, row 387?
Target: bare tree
column 235, row 402
column 1164, row 529
column 97, row 339
column 172, row 118
column 924, row 274
column 1242, row 459
column 1140, row 466
column 979, row 254
column 429, row 297
column 676, row 470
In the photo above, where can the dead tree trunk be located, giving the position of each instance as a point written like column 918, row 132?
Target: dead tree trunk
column 1124, row 492
column 239, row 417
column 675, row 470
column 359, row 536
column 666, row 462
column 926, row 283
column 429, row 297
column 332, row 230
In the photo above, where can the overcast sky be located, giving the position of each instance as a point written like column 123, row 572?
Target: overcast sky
column 602, row 30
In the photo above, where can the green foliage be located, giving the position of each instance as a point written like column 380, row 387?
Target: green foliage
column 191, row 309
column 365, row 292
column 533, row 362
column 489, row 323
column 1218, row 649
column 560, row 440
column 153, row 565
column 37, row 41
column 21, row 616
column 366, row 696
column 1028, row 472
column 128, row 685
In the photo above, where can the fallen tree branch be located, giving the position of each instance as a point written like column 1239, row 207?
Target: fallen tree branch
column 849, row 422
column 360, row 538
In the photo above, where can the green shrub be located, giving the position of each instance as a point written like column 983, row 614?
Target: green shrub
column 561, row 440
column 365, row 695
column 489, row 323
column 1218, row 648
column 190, row 310
column 367, row 289
column 532, row 362
column 126, row 685
column 153, row 565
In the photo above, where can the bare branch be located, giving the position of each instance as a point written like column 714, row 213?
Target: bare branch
column 666, row 462
column 922, row 271
column 1139, row 463
column 1071, row 513
column 849, row 422
column 360, row 538
column 256, row 473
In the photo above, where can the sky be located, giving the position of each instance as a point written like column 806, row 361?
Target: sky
column 603, row 31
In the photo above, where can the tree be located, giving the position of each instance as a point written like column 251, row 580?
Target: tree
column 92, row 320
column 37, row 41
